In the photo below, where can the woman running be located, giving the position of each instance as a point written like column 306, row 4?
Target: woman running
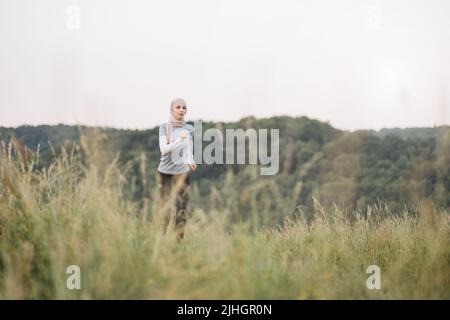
column 176, row 145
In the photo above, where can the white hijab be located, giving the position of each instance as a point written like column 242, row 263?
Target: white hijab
column 172, row 121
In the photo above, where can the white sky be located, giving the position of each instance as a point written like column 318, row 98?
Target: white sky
column 354, row 63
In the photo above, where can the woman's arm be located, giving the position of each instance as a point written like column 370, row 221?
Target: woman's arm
column 167, row 147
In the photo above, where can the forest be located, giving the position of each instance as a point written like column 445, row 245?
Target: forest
column 397, row 167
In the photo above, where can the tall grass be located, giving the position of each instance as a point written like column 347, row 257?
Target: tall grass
column 75, row 213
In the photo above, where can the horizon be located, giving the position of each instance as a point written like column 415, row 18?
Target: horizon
column 213, row 121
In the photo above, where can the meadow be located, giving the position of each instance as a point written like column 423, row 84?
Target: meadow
column 75, row 212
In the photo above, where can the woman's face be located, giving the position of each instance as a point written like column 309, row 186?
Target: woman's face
column 179, row 110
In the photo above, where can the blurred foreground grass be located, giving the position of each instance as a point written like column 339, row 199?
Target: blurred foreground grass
column 75, row 213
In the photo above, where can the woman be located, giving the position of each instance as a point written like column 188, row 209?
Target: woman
column 176, row 145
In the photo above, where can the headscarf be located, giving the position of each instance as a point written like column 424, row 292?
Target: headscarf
column 173, row 123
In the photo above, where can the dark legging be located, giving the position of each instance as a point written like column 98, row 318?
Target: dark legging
column 181, row 184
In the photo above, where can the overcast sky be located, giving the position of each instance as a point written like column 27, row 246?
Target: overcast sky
column 354, row 63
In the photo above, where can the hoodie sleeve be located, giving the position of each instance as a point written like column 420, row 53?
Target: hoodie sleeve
column 165, row 147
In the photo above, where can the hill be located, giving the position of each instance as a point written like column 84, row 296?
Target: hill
column 350, row 169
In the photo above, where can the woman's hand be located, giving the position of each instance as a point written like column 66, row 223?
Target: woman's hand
column 183, row 135
column 193, row 166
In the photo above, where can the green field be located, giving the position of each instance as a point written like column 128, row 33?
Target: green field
column 75, row 212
